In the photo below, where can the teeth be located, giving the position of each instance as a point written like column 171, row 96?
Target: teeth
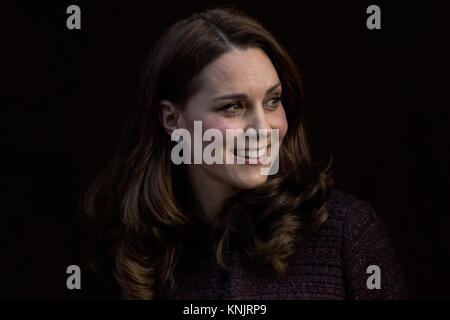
column 261, row 152
column 241, row 153
column 251, row 153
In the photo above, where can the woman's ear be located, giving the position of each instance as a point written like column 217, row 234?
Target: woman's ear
column 171, row 117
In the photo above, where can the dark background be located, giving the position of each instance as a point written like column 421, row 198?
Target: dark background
column 378, row 100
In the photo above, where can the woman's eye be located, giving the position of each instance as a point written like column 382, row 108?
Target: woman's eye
column 232, row 108
column 274, row 102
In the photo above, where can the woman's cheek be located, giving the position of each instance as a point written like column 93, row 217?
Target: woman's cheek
column 220, row 124
column 283, row 128
column 280, row 122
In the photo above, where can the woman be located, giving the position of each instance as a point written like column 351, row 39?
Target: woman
column 170, row 230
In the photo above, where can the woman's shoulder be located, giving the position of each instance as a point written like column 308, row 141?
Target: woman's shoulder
column 347, row 212
column 348, row 206
column 365, row 244
column 355, row 221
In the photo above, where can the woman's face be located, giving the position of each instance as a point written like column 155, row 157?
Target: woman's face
column 239, row 90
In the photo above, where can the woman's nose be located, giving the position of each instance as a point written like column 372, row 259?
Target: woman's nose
column 258, row 120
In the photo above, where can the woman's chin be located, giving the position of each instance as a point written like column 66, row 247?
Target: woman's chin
column 250, row 180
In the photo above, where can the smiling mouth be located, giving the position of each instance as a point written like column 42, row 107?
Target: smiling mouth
column 251, row 153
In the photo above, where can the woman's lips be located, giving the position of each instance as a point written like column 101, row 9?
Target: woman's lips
column 258, row 156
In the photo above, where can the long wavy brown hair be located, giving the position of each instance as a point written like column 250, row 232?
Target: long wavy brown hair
column 135, row 211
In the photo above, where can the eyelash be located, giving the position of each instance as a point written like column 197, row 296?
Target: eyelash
column 277, row 99
column 228, row 106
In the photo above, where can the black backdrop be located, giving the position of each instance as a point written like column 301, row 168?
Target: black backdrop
column 378, row 100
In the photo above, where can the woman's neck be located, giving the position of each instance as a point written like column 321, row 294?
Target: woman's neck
column 206, row 194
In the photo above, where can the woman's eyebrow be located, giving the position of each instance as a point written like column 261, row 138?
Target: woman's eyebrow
column 243, row 95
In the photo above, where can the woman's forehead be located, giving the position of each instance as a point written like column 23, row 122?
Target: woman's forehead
column 239, row 70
